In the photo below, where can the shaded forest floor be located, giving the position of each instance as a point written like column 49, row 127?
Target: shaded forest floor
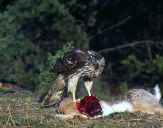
column 22, row 110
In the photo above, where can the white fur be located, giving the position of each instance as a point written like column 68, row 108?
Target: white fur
column 106, row 108
column 118, row 107
column 122, row 107
column 157, row 92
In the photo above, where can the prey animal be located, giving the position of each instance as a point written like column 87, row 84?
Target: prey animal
column 135, row 100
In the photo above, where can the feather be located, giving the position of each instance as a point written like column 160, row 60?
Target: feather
column 76, row 64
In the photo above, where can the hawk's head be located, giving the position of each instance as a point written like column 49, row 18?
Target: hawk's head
column 97, row 61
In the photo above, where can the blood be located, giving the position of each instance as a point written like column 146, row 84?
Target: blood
column 89, row 106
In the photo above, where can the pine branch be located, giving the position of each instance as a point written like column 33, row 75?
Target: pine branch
column 123, row 21
column 149, row 42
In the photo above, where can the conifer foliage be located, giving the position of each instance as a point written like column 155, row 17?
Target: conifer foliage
column 29, row 30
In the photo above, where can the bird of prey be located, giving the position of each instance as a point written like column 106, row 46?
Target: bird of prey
column 74, row 65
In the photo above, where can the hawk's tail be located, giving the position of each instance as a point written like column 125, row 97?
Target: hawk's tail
column 55, row 94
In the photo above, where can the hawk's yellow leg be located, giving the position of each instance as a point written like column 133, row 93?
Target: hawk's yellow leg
column 88, row 85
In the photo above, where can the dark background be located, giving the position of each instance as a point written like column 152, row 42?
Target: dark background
column 128, row 33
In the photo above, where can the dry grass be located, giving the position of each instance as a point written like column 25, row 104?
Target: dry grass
column 22, row 110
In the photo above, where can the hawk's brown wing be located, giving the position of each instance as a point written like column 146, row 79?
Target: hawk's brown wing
column 71, row 62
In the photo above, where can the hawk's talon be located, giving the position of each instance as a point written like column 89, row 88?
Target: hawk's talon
column 76, row 100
